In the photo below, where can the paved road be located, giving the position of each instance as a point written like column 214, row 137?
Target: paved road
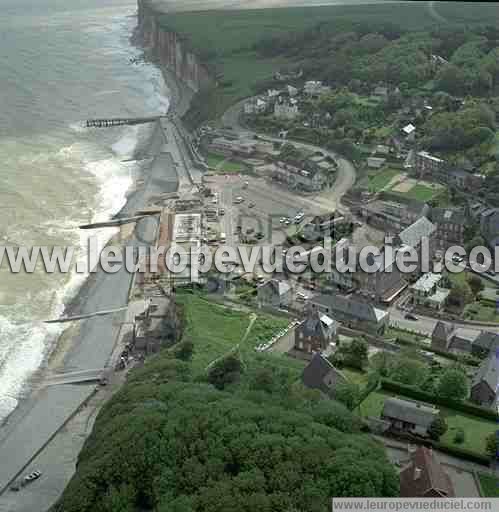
column 345, row 176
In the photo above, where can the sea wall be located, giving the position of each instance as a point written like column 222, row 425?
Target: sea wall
column 168, row 47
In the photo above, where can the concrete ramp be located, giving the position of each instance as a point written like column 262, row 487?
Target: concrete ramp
column 34, row 425
column 84, row 376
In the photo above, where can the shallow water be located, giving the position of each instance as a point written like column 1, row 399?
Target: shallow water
column 61, row 63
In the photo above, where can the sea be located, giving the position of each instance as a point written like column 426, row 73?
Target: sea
column 62, row 62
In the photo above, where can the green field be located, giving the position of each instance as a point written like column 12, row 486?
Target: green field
column 476, row 429
column 223, row 42
column 481, row 311
column 215, row 329
column 490, row 485
column 222, row 164
column 422, row 192
column 379, row 180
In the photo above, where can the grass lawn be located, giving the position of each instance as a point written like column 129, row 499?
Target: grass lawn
column 490, row 485
column 420, row 192
column 481, row 311
column 215, row 329
column 222, row 164
column 355, row 376
column 214, row 160
column 475, row 430
column 373, row 404
column 379, row 180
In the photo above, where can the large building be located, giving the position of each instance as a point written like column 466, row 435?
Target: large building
column 428, row 165
column 447, row 338
column 450, row 224
column 310, row 181
column 353, row 313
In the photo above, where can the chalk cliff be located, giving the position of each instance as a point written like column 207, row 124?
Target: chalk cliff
column 168, row 47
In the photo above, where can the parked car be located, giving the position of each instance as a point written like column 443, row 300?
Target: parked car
column 410, row 316
column 301, row 297
column 251, row 205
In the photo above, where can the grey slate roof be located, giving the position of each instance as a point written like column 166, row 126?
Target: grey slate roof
column 449, row 216
column 318, row 369
column 442, row 330
column 488, row 372
column 413, row 235
column 410, row 412
column 350, row 307
column 488, row 341
column 318, row 324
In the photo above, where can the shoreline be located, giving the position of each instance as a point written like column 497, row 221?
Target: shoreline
column 68, row 351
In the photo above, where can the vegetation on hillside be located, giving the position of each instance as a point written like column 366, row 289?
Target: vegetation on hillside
column 340, row 44
column 171, row 441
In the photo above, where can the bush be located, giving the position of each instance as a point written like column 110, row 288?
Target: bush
column 459, row 437
column 416, row 394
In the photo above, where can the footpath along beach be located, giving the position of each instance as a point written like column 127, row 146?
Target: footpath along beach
column 47, row 430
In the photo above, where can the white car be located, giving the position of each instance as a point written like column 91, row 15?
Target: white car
column 282, row 220
column 301, row 297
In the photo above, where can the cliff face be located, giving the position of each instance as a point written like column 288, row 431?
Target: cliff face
column 167, row 47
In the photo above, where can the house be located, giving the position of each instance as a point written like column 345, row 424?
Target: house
column 391, row 214
column 311, row 180
column 447, row 338
column 274, row 293
column 322, row 375
column 285, row 108
column 387, row 282
column 486, row 382
column 375, row 162
column 255, row 106
column 450, row 224
column 353, row 313
column 155, row 327
column 409, row 131
column 416, row 234
column 316, row 332
column 408, row 416
column 381, row 92
column 428, row 165
column 315, row 88
column 230, row 147
column 427, row 292
column 424, row 477
column 489, row 226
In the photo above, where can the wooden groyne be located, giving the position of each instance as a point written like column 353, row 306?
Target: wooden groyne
column 108, row 123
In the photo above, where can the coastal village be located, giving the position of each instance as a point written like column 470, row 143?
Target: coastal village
column 412, row 357
column 438, row 365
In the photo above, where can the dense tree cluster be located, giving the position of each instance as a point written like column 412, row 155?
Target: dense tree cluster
column 410, row 369
column 166, row 442
column 469, row 58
